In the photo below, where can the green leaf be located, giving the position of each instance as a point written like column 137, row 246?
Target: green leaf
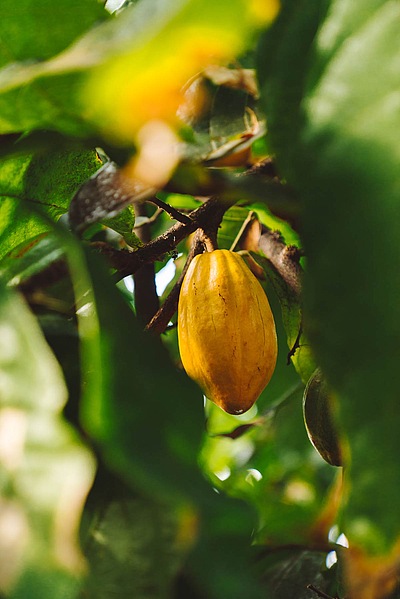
column 33, row 32
column 338, row 145
column 123, row 223
column 275, row 223
column 39, row 30
column 283, row 58
column 45, row 181
column 292, row 318
column 231, row 226
column 134, row 545
column 28, row 259
column 45, row 472
column 144, row 412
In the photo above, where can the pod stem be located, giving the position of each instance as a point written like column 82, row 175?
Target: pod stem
column 209, row 239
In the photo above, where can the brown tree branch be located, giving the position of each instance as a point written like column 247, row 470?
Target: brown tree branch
column 284, row 258
column 208, row 217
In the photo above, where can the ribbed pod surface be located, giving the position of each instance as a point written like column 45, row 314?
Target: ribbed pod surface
column 226, row 330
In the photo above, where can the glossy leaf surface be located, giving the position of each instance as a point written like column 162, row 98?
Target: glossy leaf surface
column 47, row 182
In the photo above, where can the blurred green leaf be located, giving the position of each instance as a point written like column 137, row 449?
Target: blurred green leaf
column 338, row 145
column 33, row 30
column 30, row 258
column 132, row 53
column 32, row 33
column 283, row 58
column 131, row 387
column 134, row 545
column 45, row 472
column 62, row 336
column 48, row 181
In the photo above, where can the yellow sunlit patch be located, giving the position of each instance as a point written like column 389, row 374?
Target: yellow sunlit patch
column 148, row 83
column 149, row 80
column 157, row 156
column 264, row 11
column 188, row 527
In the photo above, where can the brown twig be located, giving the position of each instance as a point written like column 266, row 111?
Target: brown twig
column 320, row 593
column 173, row 212
column 208, row 216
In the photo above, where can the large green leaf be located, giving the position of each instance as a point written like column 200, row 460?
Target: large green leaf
column 45, row 472
column 48, row 182
column 141, row 409
column 335, row 133
column 35, row 31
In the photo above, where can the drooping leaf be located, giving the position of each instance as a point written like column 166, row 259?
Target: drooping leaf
column 45, row 470
column 335, row 139
column 319, row 419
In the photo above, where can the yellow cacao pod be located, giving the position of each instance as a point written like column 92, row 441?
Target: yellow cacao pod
column 226, row 330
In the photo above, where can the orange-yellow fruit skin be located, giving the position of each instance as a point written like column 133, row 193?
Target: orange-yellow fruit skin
column 226, row 330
